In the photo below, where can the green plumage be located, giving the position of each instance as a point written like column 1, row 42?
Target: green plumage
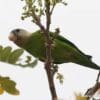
column 63, row 51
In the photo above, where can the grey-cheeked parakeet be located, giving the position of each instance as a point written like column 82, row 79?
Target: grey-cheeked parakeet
column 63, row 51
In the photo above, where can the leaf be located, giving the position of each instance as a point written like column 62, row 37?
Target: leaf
column 1, row 48
column 14, row 56
column 4, row 54
column 29, row 58
column 80, row 97
column 8, row 86
column 60, row 77
column 31, row 65
column 1, row 90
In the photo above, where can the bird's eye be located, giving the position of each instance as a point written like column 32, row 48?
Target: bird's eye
column 17, row 30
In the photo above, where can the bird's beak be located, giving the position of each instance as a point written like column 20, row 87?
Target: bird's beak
column 12, row 37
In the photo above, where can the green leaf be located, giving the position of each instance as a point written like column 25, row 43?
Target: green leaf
column 31, row 64
column 1, row 48
column 29, row 59
column 4, row 53
column 14, row 56
column 8, row 85
column 60, row 77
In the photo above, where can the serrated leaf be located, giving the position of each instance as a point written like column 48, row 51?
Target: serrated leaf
column 14, row 56
column 4, row 54
column 8, row 85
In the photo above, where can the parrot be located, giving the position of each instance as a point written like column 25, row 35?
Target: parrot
column 63, row 51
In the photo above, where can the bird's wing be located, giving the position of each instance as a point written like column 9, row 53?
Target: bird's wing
column 61, row 38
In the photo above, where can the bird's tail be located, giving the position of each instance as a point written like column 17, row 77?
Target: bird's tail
column 89, row 63
column 92, row 65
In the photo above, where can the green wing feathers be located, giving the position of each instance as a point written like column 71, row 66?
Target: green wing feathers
column 63, row 50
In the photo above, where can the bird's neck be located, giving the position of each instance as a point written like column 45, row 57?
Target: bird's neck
column 22, row 41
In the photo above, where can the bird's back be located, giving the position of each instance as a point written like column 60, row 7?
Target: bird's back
column 62, row 51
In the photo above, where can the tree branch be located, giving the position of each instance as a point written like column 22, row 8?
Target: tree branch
column 98, row 76
column 49, row 61
column 47, row 7
column 91, row 91
column 48, row 15
column 52, row 9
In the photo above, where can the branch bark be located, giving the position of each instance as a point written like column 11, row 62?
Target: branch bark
column 91, row 91
column 49, row 61
column 48, row 42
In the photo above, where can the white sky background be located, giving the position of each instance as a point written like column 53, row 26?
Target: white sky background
column 80, row 23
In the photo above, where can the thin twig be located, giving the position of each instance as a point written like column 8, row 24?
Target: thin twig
column 48, row 16
column 98, row 76
column 52, row 9
column 91, row 91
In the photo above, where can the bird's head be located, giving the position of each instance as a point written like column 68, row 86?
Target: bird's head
column 19, row 36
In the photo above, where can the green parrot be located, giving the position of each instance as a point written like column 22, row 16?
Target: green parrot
column 63, row 51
